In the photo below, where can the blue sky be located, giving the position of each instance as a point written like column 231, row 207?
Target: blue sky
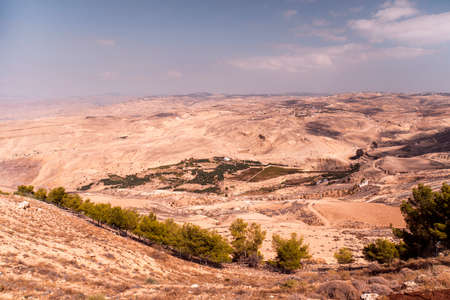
column 59, row 48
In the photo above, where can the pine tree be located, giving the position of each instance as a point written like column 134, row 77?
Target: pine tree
column 246, row 242
column 344, row 256
column 290, row 252
column 382, row 251
column 427, row 217
column 41, row 194
column 202, row 243
column 56, row 195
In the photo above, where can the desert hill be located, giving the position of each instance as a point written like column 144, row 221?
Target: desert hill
column 49, row 253
column 320, row 133
column 333, row 168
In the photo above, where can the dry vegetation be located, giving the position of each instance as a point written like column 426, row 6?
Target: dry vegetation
column 49, row 253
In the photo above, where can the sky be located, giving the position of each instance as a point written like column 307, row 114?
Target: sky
column 62, row 48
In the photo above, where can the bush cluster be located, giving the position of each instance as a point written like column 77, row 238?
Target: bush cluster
column 427, row 217
column 382, row 251
column 290, row 252
column 247, row 241
column 190, row 241
column 25, row 190
column 427, row 232
column 344, row 256
column 217, row 174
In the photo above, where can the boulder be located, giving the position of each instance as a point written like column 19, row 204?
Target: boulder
column 409, row 285
column 369, row 296
column 23, row 205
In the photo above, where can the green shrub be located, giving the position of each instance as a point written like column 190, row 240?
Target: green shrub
column 188, row 240
column 344, row 256
column 25, row 190
column 99, row 212
column 427, row 217
column 199, row 242
column 382, row 251
column 164, row 233
column 246, row 242
column 72, row 201
column 290, row 252
column 116, row 218
column 131, row 219
column 41, row 194
column 56, row 195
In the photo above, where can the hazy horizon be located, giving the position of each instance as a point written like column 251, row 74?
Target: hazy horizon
column 62, row 49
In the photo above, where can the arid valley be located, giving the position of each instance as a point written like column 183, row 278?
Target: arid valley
column 333, row 169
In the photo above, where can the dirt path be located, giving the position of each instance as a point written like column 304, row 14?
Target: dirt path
column 320, row 216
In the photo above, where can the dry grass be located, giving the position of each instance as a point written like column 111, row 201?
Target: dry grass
column 43, row 265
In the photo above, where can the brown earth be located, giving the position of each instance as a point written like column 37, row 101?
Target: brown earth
column 304, row 176
column 49, row 253
column 374, row 214
column 428, row 295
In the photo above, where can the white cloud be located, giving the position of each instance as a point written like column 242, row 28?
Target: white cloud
column 289, row 13
column 109, row 43
column 394, row 10
column 308, row 59
column 174, row 74
column 401, row 52
column 400, row 22
column 327, row 34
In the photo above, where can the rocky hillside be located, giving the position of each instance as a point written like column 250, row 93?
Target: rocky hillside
column 48, row 253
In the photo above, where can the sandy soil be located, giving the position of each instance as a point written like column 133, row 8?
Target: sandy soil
column 339, row 213
column 405, row 140
column 339, row 228
column 126, row 138
column 49, row 253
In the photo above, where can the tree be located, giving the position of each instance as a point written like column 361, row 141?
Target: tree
column 25, row 190
column 164, row 233
column 199, row 242
column 131, row 219
column 344, row 256
column 246, row 242
column 87, row 207
column 382, row 251
column 56, row 195
column 290, row 252
column 427, row 217
column 41, row 194
column 72, row 201
column 99, row 212
column 116, row 218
